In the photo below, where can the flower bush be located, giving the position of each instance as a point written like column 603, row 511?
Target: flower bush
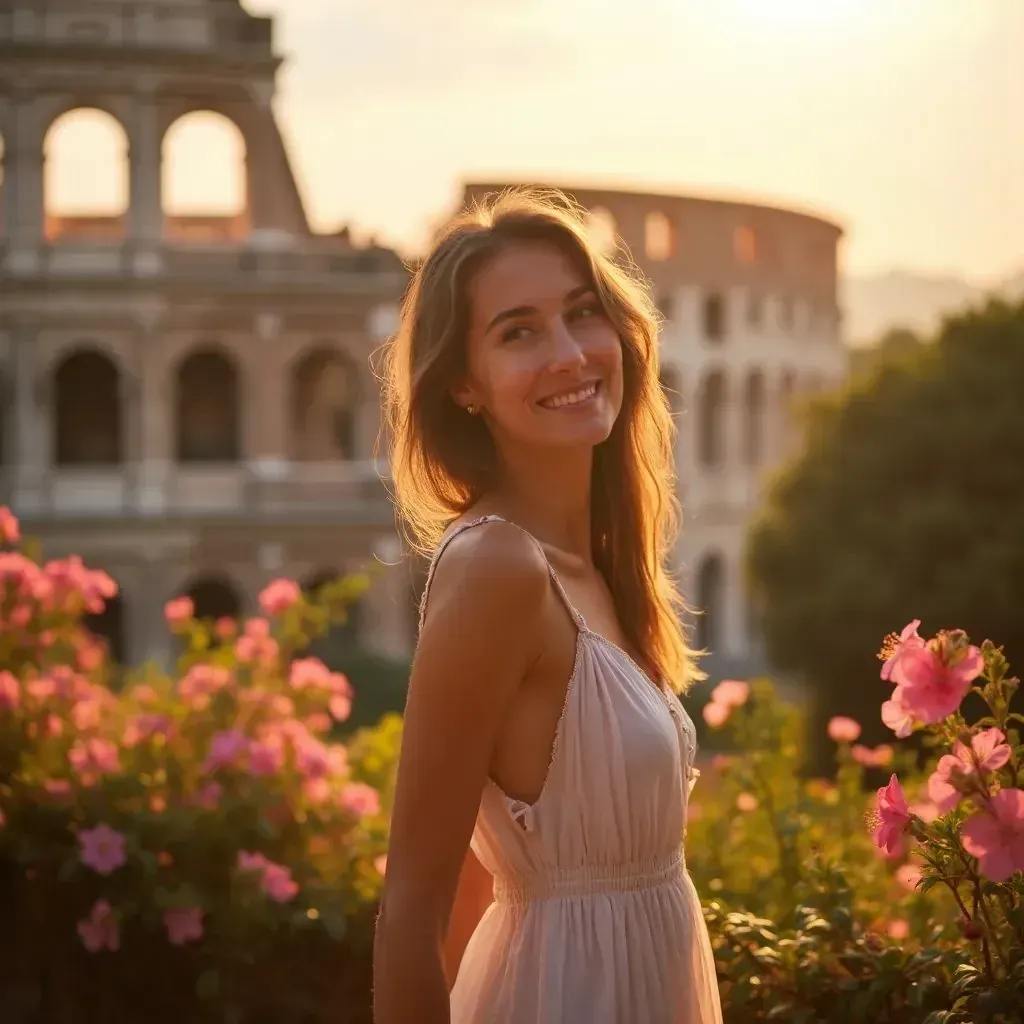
column 826, row 905
column 208, row 818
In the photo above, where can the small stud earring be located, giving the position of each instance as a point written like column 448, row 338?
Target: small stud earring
column 471, row 409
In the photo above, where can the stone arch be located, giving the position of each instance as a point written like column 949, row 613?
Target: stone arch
column 659, row 236
column 207, row 407
column 204, row 181
column 85, row 177
column 87, row 410
column 344, row 638
column 214, row 597
column 754, row 418
column 109, row 626
column 711, row 420
column 325, row 397
column 710, row 602
column 602, row 229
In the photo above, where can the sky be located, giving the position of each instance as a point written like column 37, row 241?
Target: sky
column 903, row 120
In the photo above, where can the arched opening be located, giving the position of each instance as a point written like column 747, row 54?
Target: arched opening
column 324, row 406
column 713, row 316
column 754, row 419
column 659, row 236
column 86, row 177
column 208, row 409
column 342, row 639
column 744, row 244
column 87, row 411
column 711, row 414
column 602, row 230
column 108, row 626
column 205, row 188
column 214, row 597
column 710, row 602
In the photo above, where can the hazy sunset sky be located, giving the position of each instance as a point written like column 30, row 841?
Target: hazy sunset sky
column 901, row 119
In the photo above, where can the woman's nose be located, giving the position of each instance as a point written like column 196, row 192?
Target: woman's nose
column 566, row 351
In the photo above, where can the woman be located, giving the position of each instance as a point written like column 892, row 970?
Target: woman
column 535, row 870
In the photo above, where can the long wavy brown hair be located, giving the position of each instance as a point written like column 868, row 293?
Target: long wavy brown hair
column 443, row 462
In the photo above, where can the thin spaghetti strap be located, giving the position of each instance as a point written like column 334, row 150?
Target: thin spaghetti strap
column 461, row 528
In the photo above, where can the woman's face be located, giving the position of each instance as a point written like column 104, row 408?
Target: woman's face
column 544, row 361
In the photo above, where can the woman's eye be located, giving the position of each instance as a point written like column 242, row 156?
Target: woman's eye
column 514, row 333
column 588, row 309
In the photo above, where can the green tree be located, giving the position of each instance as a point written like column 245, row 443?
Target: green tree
column 907, row 502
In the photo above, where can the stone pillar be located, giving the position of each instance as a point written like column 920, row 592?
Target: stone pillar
column 145, row 212
column 24, row 200
column 266, row 392
column 732, row 635
column 32, row 429
column 153, row 415
column 387, row 630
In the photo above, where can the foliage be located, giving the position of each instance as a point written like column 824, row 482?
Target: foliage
column 908, row 499
column 922, row 921
column 201, row 832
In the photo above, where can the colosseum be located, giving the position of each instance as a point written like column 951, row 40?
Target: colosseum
column 186, row 401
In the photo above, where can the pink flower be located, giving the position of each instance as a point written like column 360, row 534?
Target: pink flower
column 894, row 818
column 226, row 749
column 266, row 757
column 309, row 672
column 843, row 730
column 144, row 727
column 10, row 691
column 248, row 861
column 932, row 690
column 102, row 849
column 256, row 645
column 746, row 802
column 183, row 925
column 278, row 883
column 896, row 714
column 715, row 714
column 10, row 532
column 179, row 611
column 877, row 757
column 995, row 835
column 733, row 693
column 279, row 596
column 208, row 796
column 898, row 929
column 312, row 757
column 225, row 628
column 360, row 799
column 99, row 930
column 987, row 753
column 93, row 757
column 896, row 647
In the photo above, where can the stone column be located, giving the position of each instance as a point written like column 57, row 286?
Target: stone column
column 266, row 389
column 153, row 416
column 32, row 429
column 24, row 200
column 145, row 212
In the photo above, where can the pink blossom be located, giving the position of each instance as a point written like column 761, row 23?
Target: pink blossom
column 57, row 787
column 733, row 693
column 842, row 729
column 100, row 930
column 279, row 596
column 896, row 647
column 208, row 795
column 201, row 682
column 898, row 929
column 995, row 835
column 715, row 714
column 179, row 611
column 183, row 924
column 896, row 714
column 266, row 756
column 278, row 883
column 312, row 758
column 93, row 757
column 987, row 753
column 872, row 757
column 746, row 802
column 10, row 691
column 10, row 532
column 225, row 628
column 932, row 690
column 248, row 861
column 256, row 645
column 894, row 818
column 309, row 672
column 360, row 799
column 102, row 849
column 145, row 694
column 226, row 749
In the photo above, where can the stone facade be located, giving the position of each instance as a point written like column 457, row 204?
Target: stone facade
column 189, row 406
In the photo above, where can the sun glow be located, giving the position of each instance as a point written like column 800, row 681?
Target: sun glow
column 793, row 14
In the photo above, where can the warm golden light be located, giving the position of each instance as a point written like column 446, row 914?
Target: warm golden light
column 793, row 14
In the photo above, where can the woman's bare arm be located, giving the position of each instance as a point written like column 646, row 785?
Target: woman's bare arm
column 473, row 895
column 480, row 638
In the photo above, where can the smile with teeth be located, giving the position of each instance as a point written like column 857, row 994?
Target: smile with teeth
column 568, row 398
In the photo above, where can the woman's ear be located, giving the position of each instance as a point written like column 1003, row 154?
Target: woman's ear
column 463, row 395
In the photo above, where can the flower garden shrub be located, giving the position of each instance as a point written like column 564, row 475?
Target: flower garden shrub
column 191, row 847
column 919, row 918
